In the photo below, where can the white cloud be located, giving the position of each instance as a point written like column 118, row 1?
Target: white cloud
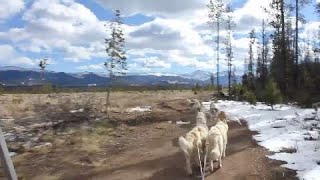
column 310, row 29
column 9, row 56
column 136, row 68
column 59, row 25
column 153, row 62
column 186, row 39
column 250, row 15
column 178, row 34
column 154, row 7
column 9, row 8
column 91, row 67
column 167, row 34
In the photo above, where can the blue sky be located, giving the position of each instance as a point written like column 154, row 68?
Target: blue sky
column 162, row 37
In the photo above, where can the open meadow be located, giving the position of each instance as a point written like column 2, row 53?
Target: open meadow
column 69, row 136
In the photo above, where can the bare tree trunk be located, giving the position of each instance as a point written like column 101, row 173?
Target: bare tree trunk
column 264, row 57
column 229, row 78
column 5, row 158
column 284, row 49
column 109, row 93
column 296, row 74
column 108, row 100
column 218, row 58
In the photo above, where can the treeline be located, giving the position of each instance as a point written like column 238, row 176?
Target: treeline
column 286, row 66
column 47, row 89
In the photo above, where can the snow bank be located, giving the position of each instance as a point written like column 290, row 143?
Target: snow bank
column 291, row 132
column 140, row 109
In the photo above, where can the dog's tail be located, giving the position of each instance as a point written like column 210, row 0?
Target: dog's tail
column 184, row 144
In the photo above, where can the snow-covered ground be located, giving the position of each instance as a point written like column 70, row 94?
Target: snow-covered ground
column 140, row 109
column 291, row 132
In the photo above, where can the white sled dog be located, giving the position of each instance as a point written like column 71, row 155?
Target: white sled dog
column 197, row 106
column 222, row 125
column 214, row 147
column 216, row 142
column 193, row 142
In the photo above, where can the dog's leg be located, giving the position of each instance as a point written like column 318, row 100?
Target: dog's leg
column 220, row 154
column 220, row 164
column 205, row 157
column 225, row 146
column 188, row 164
column 200, row 164
column 224, row 150
column 211, row 165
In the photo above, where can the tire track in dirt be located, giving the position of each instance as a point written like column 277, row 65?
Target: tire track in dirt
column 160, row 159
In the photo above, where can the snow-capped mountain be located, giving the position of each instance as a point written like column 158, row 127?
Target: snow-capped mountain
column 14, row 68
column 15, row 76
column 199, row 75
column 204, row 75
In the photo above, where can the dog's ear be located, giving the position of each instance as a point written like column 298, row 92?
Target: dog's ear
column 222, row 116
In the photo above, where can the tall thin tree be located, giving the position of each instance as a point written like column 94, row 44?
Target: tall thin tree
column 283, row 45
column 252, row 37
column 216, row 10
column 116, row 64
column 265, row 51
column 299, row 17
column 279, row 66
column 228, row 43
column 212, row 80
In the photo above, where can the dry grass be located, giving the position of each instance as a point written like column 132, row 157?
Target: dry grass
column 86, row 135
column 46, row 177
column 24, row 105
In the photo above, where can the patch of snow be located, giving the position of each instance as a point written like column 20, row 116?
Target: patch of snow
column 140, row 109
column 7, row 119
column 175, row 82
column 77, row 111
column 11, row 154
column 287, row 127
column 182, row 123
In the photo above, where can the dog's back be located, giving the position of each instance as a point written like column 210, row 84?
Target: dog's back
column 201, row 118
column 214, row 145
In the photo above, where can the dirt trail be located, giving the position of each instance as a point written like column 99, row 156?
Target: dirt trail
column 145, row 147
column 158, row 158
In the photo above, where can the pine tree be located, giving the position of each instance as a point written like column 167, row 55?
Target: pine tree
column 196, row 88
column 116, row 64
column 228, row 44
column 234, row 78
column 43, row 64
column 251, row 77
column 299, row 17
column 283, row 44
column 273, row 94
column 316, row 46
column 259, row 61
column 265, row 52
column 216, row 10
column 317, row 6
column 212, row 80
column 279, row 67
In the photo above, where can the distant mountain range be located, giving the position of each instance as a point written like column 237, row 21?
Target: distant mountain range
column 16, row 76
